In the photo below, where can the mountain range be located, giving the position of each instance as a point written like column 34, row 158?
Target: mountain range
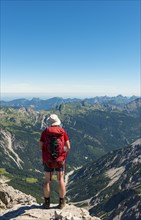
column 54, row 102
column 98, row 131
column 93, row 130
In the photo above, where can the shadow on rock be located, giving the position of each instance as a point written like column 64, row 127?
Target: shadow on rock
column 14, row 213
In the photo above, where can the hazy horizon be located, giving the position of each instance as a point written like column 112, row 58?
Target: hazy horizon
column 11, row 97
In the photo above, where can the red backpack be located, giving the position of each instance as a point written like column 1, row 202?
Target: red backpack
column 53, row 153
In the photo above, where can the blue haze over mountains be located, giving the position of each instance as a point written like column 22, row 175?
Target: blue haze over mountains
column 40, row 104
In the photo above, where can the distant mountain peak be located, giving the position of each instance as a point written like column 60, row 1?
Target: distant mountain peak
column 40, row 104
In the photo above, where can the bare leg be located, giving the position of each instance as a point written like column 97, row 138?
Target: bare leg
column 61, row 184
column 46, row 187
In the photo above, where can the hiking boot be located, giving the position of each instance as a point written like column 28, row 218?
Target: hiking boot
column 62, row 203
column 46, row 204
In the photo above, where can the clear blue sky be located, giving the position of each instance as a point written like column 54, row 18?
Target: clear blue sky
column 70, row 48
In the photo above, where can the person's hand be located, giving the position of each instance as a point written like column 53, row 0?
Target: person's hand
column 66, row 149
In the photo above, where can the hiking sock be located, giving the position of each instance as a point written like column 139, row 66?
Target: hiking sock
column 47, row 203
column 62, row 203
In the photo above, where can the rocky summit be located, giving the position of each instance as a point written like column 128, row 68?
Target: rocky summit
column 15, row 205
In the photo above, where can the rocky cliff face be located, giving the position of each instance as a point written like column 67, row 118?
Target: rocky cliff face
column 111, row 186
column 19, row 135
column 15, row 205
column 9, row 197
column 8, row 146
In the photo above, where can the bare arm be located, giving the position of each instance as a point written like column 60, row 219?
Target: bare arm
column 67, row 144
column 41, row 145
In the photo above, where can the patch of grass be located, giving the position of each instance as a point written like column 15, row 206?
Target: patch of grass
column 31, row 180
column 3, row 171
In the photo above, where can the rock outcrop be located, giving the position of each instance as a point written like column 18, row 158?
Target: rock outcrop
column 30, row 212
column 10, row 197
column 15, row 205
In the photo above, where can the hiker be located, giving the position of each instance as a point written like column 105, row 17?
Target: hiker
column 52, row 138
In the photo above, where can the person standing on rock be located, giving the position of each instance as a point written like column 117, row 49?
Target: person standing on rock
column 54, row 143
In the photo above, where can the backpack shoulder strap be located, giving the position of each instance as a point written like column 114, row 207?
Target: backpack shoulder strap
column 54, row 130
